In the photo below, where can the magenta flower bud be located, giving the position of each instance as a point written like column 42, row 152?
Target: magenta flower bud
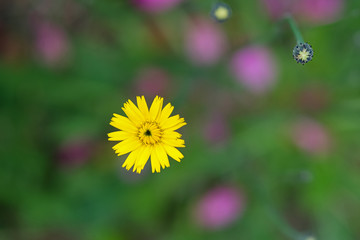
column 216, row 129
column 219, row 207
column 255, row 68
column 156, row 6
column 310, row 136
column 152, row 81
column 205, row 42
column 75, row 152
column 318, row 11
column 51, row 42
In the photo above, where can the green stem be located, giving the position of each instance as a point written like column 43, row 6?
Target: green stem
column 294, row 28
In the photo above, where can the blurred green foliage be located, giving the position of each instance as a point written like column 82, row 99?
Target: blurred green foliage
column 44, row 106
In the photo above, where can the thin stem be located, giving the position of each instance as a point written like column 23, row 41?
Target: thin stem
column 294, row 28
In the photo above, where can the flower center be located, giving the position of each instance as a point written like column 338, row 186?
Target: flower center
column 150, row 133
column 303, row 55
column 221, row 13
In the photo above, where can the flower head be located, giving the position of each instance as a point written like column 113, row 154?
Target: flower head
column 221, row 12
column 309, row 11
column 219, row 207
column 310, row 136
column 51, row 42
column 205, row 42
column 276, row 8
column 147, row 133
column 303, row 53
column 318, row 11
column 255, row 67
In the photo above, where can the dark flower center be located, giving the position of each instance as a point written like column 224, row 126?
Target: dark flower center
column 147, row 133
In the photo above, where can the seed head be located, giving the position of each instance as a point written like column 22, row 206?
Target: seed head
column 303, row 53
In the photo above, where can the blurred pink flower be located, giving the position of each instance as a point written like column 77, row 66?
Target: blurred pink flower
column 276, row 8
column 219, row 207
column 310, row 11
column 310, row 136
column 216, row 129
column 155, row 6
column 152, row 81
column 318, row 11
column 51, row 42
column 255, row 67
column 75, row 152
column 205, row 42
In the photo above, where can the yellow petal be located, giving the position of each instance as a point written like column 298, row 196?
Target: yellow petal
column 123, row 123
column 119, row 135
column 171, row 134
column 132, row 116
column 133, row 112
column 174, row 142
column 165, row 113
column 138, row 154
column 143, row 158
column 175, row 127
column 156, row 107
column 141, row 102
column 172, row 121
column 130, row 160
column 162, row 157
column 155, row 164
column 173, row 152
column 127, row 145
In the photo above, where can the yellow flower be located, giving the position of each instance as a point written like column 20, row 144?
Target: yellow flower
column 147, row 133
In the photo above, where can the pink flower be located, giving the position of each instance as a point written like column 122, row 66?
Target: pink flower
column 205, row 42
column 310, row 11
column 152, row 81
column 310, row 136
column 75, row 152
column 156, row 6
column 51, row 42
column 219, row 207
column 255, row 68
column 276, row 8
column 216, row 129
column 318, row 11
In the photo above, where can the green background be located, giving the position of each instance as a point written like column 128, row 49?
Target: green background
column 42, row 107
